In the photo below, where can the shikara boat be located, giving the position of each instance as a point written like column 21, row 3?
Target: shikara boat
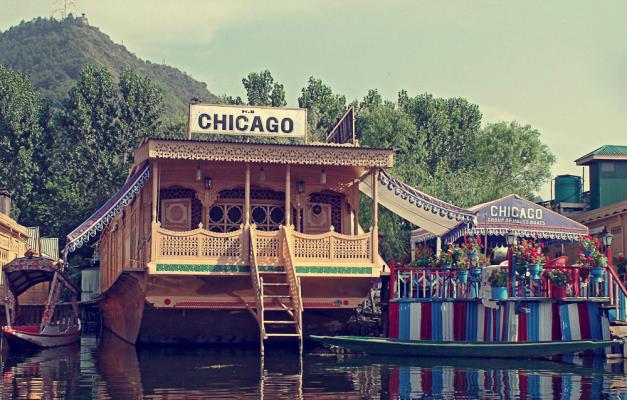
column 428, row 348
column 53, row 329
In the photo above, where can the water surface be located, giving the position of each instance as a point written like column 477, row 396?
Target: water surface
column 110, row 369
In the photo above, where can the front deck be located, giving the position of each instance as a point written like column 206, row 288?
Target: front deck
column 204, row 251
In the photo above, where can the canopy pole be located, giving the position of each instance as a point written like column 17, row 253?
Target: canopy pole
column 438, row 246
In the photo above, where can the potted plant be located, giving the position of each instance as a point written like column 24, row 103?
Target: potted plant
column 460, row 262
column 472, row 246
column 558, row 284
column 529, row 257
column 599, row 264
column 445, row 260
column 591, row 257
column 476, row 265
column 589, row 245
column 422, row 257
column 499, row 281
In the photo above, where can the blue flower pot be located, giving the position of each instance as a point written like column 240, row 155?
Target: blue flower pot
column 462, row 276
column 475, row 273
column 535, row 270
column 472, row 256
column 499, row 293
column 597, row 274
column 587, row 253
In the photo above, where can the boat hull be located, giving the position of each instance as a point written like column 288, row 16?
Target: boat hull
column 171, row 309
column 21, row 339
column 418, row 348
column 214, row 326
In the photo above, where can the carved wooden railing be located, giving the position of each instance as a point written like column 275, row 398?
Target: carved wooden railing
column 292, row 279
column 269, row 247
column 257, row 282
column 332, row 247
column 212, row 247
column 328, row 249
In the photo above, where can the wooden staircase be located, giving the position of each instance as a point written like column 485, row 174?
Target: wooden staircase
column 282, row 318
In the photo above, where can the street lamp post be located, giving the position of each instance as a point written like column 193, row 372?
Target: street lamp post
column 607, row 243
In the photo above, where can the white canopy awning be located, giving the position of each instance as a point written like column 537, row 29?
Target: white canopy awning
column 434, row 215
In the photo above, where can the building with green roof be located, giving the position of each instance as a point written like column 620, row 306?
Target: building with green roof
column 608, row 175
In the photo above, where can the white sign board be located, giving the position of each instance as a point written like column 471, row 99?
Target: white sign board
column 247, row 120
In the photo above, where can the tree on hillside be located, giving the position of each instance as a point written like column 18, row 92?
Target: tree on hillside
column 323, row 107
column 262, row 90
column 19, row 132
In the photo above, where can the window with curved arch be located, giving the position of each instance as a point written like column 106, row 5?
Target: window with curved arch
column 267, row 210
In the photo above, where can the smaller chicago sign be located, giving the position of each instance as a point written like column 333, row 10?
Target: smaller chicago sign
column 247, row 120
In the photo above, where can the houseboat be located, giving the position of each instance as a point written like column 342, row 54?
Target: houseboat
column 16, row 241
column 222, row 241
column 226, row 241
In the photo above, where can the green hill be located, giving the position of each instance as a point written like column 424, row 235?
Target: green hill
column 54, row 52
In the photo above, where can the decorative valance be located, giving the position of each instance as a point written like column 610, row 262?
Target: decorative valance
column 101, row 218
column 434, row 215
column 516, row 215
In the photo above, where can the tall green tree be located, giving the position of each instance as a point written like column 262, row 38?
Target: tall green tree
column 19, row 132
column 450, row 126
column 98, row 128
column 323, row 107
column 383, row 124
column 511, row 158
column 262, row 90
column 140, row 111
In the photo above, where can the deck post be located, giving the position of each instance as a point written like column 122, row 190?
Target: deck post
column 288, row 208
column 246, row 241
column 356, row 208
column 375, row 215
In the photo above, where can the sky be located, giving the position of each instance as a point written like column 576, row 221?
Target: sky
column 560, row 66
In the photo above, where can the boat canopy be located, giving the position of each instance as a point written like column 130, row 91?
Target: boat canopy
column 25, row 272
column 513, row 214
column 433, row 215
column 99, row 220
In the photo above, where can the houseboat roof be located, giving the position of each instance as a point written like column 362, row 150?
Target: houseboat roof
column 268, row 153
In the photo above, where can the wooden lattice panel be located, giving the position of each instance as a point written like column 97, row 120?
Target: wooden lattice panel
column 221, row 246
column 268, row 246
column 312, row 248
column 351, row 249
column 178, row 246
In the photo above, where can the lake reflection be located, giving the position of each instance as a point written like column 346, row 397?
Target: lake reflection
column 109, row 368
